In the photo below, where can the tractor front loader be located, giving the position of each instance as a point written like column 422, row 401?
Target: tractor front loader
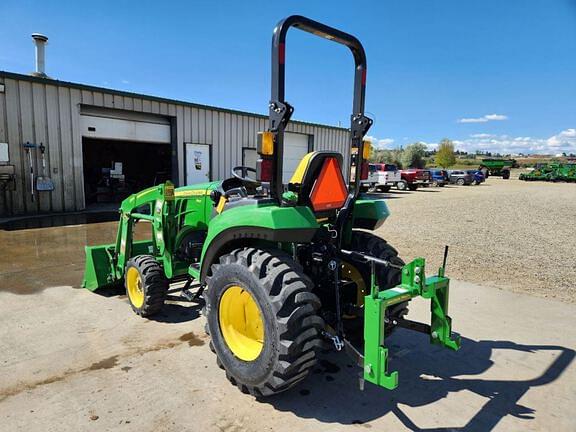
column 282, row 268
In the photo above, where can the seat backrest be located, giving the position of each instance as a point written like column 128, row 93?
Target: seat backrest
column 317, row 166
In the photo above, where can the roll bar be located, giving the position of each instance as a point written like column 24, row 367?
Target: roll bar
column 280, row 111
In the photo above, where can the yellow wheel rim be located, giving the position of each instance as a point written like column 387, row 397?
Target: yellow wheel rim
column 134, row 287
column 241, row 323
column 352, row 274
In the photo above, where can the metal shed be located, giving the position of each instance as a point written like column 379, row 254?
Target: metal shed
column 65, row 116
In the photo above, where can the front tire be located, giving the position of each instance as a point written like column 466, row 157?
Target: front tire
column 261, row 316
column 460, row 182
column 402, row 185
column 146, row 285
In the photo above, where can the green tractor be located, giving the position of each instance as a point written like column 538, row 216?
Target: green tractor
column 282, row 269
column 497, row 167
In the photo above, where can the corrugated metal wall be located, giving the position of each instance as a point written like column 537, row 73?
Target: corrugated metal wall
column 47, row 111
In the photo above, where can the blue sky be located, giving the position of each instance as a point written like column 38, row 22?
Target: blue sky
column 489, row 74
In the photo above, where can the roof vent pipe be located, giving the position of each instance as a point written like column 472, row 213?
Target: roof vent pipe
column 40, row 42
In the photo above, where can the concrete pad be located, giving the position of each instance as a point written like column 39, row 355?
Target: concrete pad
column 75, row 360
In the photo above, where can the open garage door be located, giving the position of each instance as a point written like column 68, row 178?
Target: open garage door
column 295, row 148
column 115, row 169
column 123, row 153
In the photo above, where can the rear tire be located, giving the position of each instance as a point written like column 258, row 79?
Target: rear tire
column 460, row 182
column 146, row 285
column 287, row 310
column 387, row 277
column 402, row 185
column 506, row 175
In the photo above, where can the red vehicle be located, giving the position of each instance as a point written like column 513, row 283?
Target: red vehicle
column 413, row 178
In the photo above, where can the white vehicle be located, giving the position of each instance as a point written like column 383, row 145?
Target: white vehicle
column 381, row 177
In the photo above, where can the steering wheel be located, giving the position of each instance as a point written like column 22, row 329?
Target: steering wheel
column 243, row 175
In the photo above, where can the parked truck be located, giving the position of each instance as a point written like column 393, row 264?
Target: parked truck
column 381, row 177
column 413, row 178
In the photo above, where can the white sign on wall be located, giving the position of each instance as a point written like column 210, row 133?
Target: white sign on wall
column 4, row 157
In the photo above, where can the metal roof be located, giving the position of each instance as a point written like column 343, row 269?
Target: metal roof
column 23, row 77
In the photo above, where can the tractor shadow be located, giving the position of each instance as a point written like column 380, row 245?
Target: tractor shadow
column 331, row 394
column 176, row 310
column 176, row 313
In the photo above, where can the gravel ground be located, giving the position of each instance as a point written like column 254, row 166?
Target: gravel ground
column 504, row 233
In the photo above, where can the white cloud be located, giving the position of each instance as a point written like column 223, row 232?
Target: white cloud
column 379, row 143
column 496, row 117
column 481, row 135
column 484, row 119
column 564, row 141
column 125, row 81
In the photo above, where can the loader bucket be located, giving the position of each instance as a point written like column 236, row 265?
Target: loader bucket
column 99, row 267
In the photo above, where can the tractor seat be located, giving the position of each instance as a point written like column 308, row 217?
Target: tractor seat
column 319, row 182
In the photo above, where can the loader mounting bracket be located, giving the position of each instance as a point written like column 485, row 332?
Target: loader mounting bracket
column 360, row 125
column 280, row 113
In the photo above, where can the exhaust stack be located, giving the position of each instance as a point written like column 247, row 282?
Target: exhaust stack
column 40, row 42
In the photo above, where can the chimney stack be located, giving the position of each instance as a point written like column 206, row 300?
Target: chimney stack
column 40, row 42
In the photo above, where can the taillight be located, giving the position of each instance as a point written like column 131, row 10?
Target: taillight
column 264, row 170
column 364, row 170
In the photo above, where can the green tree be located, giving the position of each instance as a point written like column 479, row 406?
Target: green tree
column 387, row 156
column 445, row 156
column 413, row 156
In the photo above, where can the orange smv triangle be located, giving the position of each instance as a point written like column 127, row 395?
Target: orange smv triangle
column 329, row 192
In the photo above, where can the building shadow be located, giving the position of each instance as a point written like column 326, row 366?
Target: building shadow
column 428, row 374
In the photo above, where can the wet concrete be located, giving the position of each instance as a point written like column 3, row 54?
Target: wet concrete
column 38, row 258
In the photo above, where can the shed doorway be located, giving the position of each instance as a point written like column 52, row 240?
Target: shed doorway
column 113, row 169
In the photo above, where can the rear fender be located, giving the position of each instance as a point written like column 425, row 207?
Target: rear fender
column 369, row 213
column 254, row 223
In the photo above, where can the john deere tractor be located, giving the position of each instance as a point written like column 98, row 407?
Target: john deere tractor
column 282, row 269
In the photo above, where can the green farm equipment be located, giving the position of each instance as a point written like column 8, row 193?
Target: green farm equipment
column 553, row 171
column 497, row 167
column 282, row 269
column 566, row 172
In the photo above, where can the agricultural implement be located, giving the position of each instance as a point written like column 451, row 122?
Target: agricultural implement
column 282, row 269
column 553, row 171
column 497, row 167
